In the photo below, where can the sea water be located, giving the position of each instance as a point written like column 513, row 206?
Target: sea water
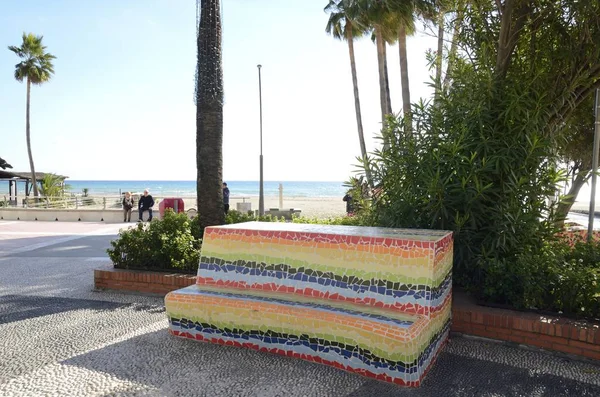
column 188, row 188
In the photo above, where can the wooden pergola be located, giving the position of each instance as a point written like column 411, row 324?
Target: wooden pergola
column 13, row 178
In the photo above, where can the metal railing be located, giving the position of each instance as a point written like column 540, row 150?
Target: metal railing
column 80, row 202
column 62, row 202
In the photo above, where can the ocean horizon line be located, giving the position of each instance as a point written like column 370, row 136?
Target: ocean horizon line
column 187, row 188
column 193, row 180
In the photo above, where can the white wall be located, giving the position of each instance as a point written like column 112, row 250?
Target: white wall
column 68, row 215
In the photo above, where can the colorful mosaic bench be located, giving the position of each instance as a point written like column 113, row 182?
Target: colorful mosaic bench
column 373, row 301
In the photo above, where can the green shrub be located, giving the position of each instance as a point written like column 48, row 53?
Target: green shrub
column 173, row 243
column 167, row 244
column 562, row 279
column 554, row 278
column 339, row 220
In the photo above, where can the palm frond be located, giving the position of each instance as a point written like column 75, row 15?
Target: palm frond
column 3, row 164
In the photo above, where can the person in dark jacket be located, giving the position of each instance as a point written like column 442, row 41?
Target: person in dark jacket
column 225, row 198
column 128, row 203
column 145, row 203
column 349, row 206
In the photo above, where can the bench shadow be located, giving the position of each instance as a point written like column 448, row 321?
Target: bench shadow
column 167, row 365
column 173, row 366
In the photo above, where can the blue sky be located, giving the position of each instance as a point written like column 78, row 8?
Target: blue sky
column 120, row 105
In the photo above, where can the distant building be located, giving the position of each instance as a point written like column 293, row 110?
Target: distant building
column 14, row 178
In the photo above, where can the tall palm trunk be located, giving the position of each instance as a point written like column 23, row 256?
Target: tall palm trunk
column 381, row 62
column 439, row 56
column 361, row 136
column 209, row 116
column 565, row 205
column 36, row 193
column 404, row 80
column 454, row 46
column 388, row 99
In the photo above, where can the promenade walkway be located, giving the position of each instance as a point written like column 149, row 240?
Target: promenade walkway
column 60, row 338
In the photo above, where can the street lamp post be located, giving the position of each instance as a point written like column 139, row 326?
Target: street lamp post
column 261, row 195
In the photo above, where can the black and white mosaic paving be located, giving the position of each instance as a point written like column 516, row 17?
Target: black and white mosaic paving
column 60, row 338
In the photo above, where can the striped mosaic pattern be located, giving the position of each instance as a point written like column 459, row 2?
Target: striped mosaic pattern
column 368, row 300
column 393, row 347
column 404, row 271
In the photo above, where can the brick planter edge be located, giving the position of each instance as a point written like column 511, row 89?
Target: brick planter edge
column 140, row 281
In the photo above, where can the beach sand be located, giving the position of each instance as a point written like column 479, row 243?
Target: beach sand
column 319, row 207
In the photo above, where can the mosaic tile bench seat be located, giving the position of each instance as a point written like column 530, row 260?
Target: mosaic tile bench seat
column 373, row 301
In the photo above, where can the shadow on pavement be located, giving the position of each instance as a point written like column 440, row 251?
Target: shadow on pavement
column 175, row 366
column 455, row 375
column 24, row 307
column 85, row 247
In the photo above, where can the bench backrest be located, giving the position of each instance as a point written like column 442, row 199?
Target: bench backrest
column 400, row 269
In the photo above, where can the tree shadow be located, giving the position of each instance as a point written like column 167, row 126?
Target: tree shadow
column 24, row 307
column 456, row 375
column 64, row 246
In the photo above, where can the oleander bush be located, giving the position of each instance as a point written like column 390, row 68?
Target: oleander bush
column 487, row 178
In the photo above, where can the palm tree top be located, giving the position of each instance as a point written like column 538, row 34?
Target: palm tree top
column 36, row 63
column 344, row 15
column 363, row 15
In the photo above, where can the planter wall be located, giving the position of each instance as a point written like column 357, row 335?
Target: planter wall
column 579, row 338
column 140, row 281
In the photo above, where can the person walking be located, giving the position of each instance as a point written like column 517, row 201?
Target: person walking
column 145, row 204
column 225, row 198
column 128, row 203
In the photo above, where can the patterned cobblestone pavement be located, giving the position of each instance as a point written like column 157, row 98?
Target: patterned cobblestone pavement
column 61, row 338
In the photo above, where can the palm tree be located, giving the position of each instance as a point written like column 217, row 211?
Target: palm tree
column 53, row 185
column 36, row 68
column 343, row 25
column 3, row 164
column 209, row 115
